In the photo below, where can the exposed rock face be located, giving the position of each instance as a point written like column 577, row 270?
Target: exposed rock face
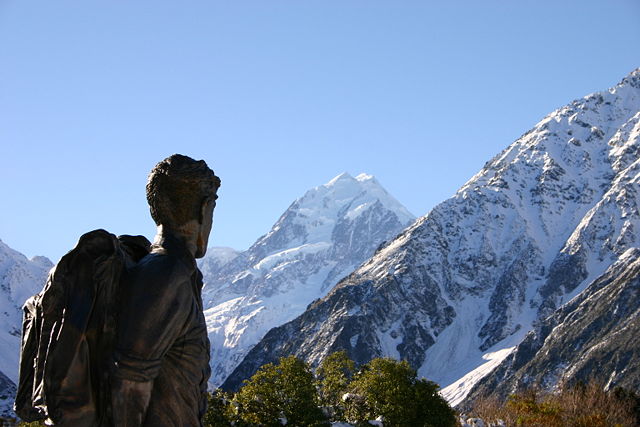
column 538, row 223
column 19, row 279
column 321, row 237
column 594, row 336
column 7, row 395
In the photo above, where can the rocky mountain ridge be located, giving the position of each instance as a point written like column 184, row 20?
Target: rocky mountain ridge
column 458, row 289
column 592, row 337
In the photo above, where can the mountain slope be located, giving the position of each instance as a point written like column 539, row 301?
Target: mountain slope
column 467, row 281
column 320, row 238
column 593, row 336
column 19, row 279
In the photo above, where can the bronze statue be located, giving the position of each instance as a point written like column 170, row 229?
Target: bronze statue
column 161, row 360
column 117, row 337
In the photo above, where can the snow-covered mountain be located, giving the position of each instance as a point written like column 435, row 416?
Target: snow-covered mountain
column 319, row 239
column 217, row 257
column 594, row 335
column 20, row 278
column 457, row 290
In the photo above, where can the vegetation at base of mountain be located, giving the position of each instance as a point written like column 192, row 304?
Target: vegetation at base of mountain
column 333, row 377
column 25, row 424
column 581, row 405
column 289, row 393
column 388, row 389
column 220, row 410
column 276, row 393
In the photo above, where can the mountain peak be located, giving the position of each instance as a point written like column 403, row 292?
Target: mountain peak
column 365, row 177
column 344, row 176
column 346, row 192
column 320, row 238
column 633, row 79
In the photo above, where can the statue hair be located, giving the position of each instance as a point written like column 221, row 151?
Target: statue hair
column 177, row 188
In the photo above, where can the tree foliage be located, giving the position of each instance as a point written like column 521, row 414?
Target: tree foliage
column 288, row 393
column 279, row 394
column 220, row 410
column 431, row 408
column 390, row 389
column 334, row 375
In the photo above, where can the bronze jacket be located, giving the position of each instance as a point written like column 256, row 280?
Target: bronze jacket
column 161, row 359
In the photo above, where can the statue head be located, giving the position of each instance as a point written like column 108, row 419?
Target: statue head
column 182, row 191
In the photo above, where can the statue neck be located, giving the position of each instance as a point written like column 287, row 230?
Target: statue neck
column 186, row 233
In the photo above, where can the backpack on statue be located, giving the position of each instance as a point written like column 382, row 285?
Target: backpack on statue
column 69, row 331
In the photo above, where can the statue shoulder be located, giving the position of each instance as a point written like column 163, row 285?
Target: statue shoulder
column 161, row 270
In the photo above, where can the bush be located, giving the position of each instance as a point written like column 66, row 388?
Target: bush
column 530, row 410
column 582, row 405
column 22, row 423
column 280, row 394
column 334, row 375
column 432, row 409
column 630, row 400
column 220, row 410
column 389, row 389
column 11, row 422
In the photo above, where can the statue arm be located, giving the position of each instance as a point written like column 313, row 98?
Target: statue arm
column 152, row 317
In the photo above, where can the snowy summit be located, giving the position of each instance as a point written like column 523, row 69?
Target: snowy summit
column 319, row 239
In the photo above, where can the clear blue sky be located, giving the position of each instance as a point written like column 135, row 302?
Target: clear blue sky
column 278, row 97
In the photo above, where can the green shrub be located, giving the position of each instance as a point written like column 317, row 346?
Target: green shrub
column 220, row 410
column 390, row 389
column 276, row 393
column 334, row 375
column 24, row 423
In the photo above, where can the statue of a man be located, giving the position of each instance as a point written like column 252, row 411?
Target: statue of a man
column 161, row 360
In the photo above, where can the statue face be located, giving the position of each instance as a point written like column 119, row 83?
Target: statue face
column 205, row 228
